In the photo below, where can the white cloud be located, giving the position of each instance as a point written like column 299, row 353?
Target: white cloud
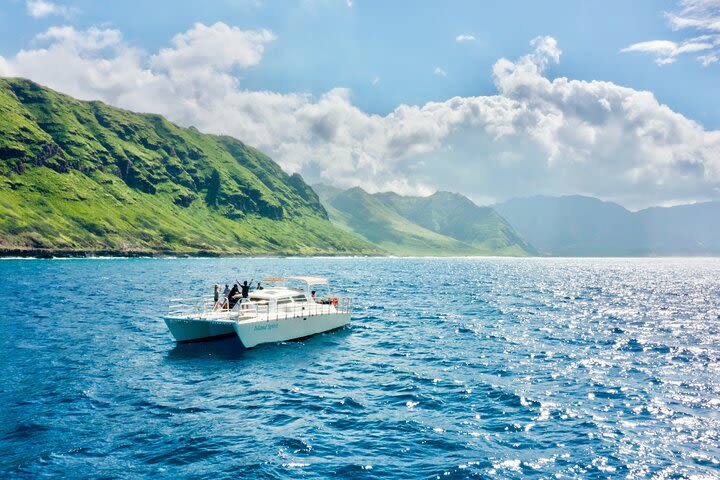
column 700, row 15
column 536, row 135
column 5, row 69
column 93, row 39
column 708, row 59
column 666, row 52
column 218, row 46
column 697, row 14
column 440, row 72
column 464, row 38
column 43, row 8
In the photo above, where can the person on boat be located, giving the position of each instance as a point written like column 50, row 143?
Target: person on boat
column 217, row 297
column 245, row 293
column 226, row 294
column 246, row 289
column 322, row 301
column 233, row 296
column 259, row 287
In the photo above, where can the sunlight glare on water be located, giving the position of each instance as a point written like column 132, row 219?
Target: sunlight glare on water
column 452, row 368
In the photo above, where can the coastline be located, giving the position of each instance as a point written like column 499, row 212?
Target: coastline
column 49, row 254
column 39, row 253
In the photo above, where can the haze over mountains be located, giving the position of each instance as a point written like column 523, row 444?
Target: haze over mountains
column 584, row 226
column 451, row 224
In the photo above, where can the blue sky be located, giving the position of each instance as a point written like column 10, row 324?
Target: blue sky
column 385, row 55
column 325, row 44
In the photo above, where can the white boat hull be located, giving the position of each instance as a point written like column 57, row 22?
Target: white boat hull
column 255, row 332
column 269, row 315
column 188, row 329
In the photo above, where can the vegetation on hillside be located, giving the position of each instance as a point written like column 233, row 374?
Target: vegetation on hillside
column 457, row 217
column 441, row 224
column 84, row 176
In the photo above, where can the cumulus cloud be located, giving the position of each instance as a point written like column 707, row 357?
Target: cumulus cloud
column 218, row 47
column 43, row 8
column 536, row 135
column 464, row 38
column 702, row 16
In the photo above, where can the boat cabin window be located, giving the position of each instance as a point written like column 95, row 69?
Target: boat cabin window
column 284, row 301
column 299, row 299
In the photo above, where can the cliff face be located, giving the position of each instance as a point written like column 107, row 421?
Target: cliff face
column 87, row 176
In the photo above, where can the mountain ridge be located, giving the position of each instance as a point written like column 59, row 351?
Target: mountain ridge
column 577, row 225
column 78, row 176
column 456, row 216
column 441, row 224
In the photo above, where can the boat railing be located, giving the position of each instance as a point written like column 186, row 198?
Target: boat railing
column 206, row 306
column 191, row 306
column 333, row 305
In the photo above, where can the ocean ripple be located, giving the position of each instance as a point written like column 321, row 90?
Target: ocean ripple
column 452, row 368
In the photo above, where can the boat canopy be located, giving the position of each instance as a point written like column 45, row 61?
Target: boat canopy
column 308, row 280
column 311, row 280
column 273, row 279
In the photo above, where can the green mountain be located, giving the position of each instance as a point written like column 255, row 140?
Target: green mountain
column 84, row 176
column 442, row 224
column 584, row 226
column 457, row 217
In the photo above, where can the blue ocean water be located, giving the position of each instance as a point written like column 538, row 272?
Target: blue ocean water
column 452, row 368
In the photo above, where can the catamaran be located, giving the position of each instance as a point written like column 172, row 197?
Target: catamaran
column 274, row 314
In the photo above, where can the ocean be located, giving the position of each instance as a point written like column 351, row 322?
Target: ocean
column 451, row 368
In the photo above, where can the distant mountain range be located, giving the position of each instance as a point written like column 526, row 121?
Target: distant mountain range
column 441, row 224
column 585, row 226
column 83, row 177
column 451, row 224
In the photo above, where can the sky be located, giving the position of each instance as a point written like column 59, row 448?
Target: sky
column 615, row 99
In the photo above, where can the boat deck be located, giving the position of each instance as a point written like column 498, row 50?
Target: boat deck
column 253, row 312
